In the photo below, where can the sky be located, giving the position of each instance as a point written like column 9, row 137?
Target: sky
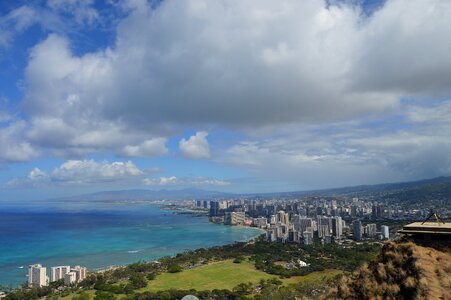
column 237, row 96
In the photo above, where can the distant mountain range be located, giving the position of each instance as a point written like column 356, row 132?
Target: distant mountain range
column 403, row 191
column 142, row 194
column 437, row 182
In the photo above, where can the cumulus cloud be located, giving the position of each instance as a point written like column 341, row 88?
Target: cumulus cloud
column 196, row 147
column 37, row 174
column 234, row 64
column 254, row 67
column 174, row 181
column 151, row 147
column 90, row 171
column 81, row 172
column 13, row 147
column 35, row 178
column 350, row 153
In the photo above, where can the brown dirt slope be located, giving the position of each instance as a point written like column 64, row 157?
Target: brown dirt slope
column 402, row 271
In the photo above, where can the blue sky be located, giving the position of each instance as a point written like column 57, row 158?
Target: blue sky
column 241, row 96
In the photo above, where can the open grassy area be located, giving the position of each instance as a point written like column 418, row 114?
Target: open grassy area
column 225, row 275
column 70, row 296
column 222, row 275
column 216, row 275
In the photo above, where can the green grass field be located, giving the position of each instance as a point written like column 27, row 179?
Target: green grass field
column 215, row 275
column 225, row 275
column 222, row 275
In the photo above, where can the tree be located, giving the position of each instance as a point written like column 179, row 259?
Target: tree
column 174, row 268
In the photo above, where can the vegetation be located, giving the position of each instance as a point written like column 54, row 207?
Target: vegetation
column 402, row 271
column 226, row 272
column 216, row 275
column 174, row 269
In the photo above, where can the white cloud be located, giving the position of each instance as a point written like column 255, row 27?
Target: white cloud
column 90, row 171
column 13, row 148
column 247, row 63
column 83, row 173
column 236, row 64
column 151, row 147
column 37, row 174
column 196, row 147
column 35, row 178
column 15, row 22
column 160, row 181
column 286, row 74
column 350, row 153
column 174, row 181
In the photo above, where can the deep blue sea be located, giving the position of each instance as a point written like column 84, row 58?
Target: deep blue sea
column 99, row 235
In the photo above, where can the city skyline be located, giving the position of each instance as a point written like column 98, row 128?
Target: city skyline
column 246, row 96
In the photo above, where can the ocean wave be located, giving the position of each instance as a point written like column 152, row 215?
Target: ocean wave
column 133, row 251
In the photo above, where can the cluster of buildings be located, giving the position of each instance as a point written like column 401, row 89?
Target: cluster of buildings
column 37, row 275
column 301, row 222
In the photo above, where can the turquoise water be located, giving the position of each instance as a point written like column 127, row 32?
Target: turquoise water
column 99, row 235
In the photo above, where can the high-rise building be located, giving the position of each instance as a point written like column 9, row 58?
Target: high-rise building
column 385, row 232
column 273, row 219
column 283, row 217
column 37, row 276
column 214, row 208
column 80, row 273
column 260, row 222
column 308, row 237
column 58, row 272
column 357, row 226
column 323, row 230
column 337, row 227
column 353, row 211
column 70, row 278
column 234, row 218
column 302, row 224
column 371, row 230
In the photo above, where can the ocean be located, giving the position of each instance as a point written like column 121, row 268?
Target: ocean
column 99, row 235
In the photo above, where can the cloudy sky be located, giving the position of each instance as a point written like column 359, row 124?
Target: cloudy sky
column 241, row 96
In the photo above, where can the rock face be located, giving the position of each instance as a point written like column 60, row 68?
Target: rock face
column 402, row 271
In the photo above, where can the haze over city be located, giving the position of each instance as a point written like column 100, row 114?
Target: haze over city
column 236, row 96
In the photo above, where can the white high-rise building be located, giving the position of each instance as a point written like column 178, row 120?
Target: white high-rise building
column 37, row 276
column 70, row 278
column 283, row 217
column 80, row 273
column 323, row 230
column 371, row 230
column 261, row 222
column 58, row 272
column 337, row 227
column 385, row 232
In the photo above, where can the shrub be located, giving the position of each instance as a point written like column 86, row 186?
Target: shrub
column 151, row 276
column 174, row 269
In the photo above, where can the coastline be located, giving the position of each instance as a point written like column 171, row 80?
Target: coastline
column 251, row 240
column 107, row 238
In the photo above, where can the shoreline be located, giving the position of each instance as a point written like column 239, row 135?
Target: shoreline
column 114, row 267
column 13, row 276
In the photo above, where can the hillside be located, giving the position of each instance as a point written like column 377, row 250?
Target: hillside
column 402, row 271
